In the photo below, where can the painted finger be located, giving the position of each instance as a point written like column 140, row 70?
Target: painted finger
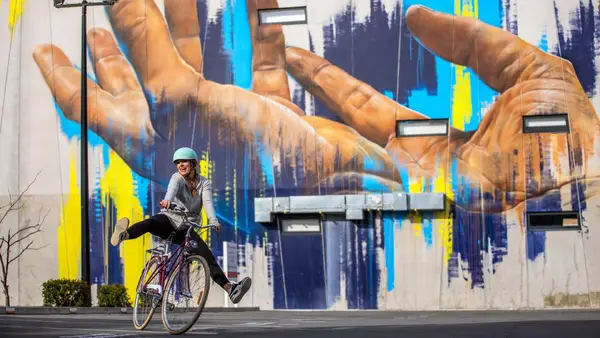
column 182, row 18
column 269, row 75
column 114, row 73
column 355, row 153
column 318, row 123
column 140, row 26
column 105, row 115
column 359, row 105
column 498, row 57
column 315, row 152
column 354, row 183
column 288, row 104
column 62, row 78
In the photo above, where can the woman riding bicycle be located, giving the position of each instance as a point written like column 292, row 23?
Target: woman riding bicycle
column 190, row 192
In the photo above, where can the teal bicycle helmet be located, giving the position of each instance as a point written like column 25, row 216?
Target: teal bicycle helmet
column 185, row 153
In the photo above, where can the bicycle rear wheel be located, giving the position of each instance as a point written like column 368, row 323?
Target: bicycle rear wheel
column 184, row 299
column 147, row 299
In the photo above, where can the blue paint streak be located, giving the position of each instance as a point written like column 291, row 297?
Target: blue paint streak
column 389, row 94
column 536, row 244
column 543, row 44
column 333, row 234
column 388, row 242
column 246, row 187
column 434, row 104
column 481, row 94
column 578, row 45
column 437, row 103
column 242, row 56
column 266, row 162
column 372, row 164
column 372, row 184
column 142, row 187
column 237, row 42
column 371, row 262
column 428, row 229
column 404, row 175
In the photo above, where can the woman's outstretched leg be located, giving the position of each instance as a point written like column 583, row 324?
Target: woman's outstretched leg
column 236, row 291
column 158, row 225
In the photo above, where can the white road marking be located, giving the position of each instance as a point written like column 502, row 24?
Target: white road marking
column 100, row 335
column 79, row 329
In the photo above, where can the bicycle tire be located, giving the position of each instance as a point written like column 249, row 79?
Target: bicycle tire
column 142, row 326
column 170, row 280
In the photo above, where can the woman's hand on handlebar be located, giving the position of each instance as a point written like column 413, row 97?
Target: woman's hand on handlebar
column 165, row 204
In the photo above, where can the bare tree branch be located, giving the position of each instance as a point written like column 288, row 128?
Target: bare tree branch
column 21, row 253
column 25, row 237
column 16, row 202
column 12, row 243
column 4, row 268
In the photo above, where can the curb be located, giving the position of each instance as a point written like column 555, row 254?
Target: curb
column 43, row 310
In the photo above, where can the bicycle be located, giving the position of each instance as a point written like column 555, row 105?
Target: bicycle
column 153, row 294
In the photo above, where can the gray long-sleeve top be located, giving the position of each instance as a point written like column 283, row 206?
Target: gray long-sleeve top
column 179, row 194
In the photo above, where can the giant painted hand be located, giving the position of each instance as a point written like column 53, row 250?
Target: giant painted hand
column 167, row 59
column 153, row 116
column 497, row 159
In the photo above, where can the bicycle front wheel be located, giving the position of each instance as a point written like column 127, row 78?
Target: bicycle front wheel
column 147, row 296
column 186, row 292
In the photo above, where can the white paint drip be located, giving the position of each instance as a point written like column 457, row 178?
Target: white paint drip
column 363, row 245
column 213, row 8
column 535, row 19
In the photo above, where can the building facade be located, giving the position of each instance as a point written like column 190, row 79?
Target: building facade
column 490, row 211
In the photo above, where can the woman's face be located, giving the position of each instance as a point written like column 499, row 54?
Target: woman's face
column 184, row 167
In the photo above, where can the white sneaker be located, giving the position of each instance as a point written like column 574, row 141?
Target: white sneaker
column 238, row 290
column 119, row 231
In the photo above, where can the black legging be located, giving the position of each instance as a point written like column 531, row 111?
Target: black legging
column 159, row 225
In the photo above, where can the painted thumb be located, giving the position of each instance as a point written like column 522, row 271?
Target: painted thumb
column 439, row 32
column 469, row 42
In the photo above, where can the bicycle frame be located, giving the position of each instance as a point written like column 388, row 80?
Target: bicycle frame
column 165, row 259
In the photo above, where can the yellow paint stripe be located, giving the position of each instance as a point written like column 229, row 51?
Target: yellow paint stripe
column 118, row 185
column 69, row 230
column 462, row 109
column 15, row 12
column 462, row 112
column 416, row 185
column 440, row 184
column 205, row 171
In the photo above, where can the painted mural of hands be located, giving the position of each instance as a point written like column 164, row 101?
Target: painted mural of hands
column 149, row 118
column 497, row 157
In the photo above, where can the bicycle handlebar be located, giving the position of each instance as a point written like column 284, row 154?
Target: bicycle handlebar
column 185, row 214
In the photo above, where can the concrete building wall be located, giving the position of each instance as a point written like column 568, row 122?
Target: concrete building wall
column 318, row 120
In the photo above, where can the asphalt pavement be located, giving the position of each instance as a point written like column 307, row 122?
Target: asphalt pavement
column 350, row 324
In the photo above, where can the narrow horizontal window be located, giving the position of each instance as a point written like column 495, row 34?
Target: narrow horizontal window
column 565, row 220
column 432, row 127
column 285, row 16
column 546, row 124
column 300, row 225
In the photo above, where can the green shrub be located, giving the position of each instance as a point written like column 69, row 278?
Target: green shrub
column 113, row 295
column 66, row 292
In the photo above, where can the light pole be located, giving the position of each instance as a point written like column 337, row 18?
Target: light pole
column 85, row 235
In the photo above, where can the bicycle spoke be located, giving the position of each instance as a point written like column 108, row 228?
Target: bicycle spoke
column 185, row 294
column 148, row 295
